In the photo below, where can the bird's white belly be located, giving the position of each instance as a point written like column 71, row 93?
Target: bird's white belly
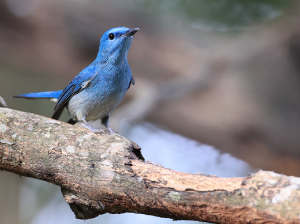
column 85, row 105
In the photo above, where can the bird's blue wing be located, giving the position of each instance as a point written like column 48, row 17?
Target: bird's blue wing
column 80, row 82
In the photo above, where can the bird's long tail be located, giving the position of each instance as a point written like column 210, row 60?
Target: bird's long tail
column 53, row 96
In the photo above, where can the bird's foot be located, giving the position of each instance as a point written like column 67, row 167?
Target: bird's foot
column 97, row 131
column 110, row 130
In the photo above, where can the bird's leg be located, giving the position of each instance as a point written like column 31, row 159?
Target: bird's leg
column 105, row 122
column 88, row 126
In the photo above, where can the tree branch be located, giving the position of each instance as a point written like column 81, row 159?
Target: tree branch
column 106, row 174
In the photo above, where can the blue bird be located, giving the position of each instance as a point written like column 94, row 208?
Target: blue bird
column 95, row 92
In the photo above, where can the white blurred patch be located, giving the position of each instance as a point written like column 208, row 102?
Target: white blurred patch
column 34, row 194
column 182, row 154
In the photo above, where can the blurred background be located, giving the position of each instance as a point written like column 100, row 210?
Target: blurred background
column 217, row 86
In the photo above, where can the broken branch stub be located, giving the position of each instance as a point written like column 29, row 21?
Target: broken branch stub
column 2, row 102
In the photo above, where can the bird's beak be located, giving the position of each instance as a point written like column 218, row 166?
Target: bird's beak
column 131, row 32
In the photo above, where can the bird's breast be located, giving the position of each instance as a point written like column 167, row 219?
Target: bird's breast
column 96, row 101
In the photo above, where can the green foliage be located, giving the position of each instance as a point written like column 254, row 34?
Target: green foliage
column 227, row 12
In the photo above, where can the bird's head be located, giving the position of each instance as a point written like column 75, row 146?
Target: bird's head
column 115, row 44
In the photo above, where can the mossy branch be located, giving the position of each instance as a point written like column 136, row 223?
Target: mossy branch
column 104, row 173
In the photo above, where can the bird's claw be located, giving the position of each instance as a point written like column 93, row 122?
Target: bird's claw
column 97, row 131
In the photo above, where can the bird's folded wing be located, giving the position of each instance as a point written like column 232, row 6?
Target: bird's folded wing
column 80, row 82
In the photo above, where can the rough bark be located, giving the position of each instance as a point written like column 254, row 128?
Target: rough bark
column 104, row 173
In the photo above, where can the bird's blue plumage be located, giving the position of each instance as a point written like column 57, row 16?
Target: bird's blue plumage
column 97, row 89
column 74, row 87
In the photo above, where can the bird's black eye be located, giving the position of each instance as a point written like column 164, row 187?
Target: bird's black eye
column 111, row 36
